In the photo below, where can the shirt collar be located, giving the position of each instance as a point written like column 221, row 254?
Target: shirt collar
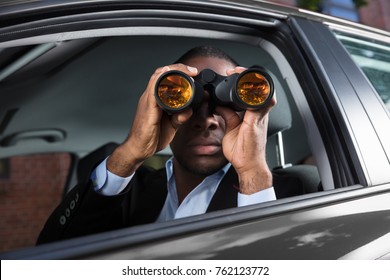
column 169, row 169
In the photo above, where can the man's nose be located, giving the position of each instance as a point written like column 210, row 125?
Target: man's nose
column 204, row 117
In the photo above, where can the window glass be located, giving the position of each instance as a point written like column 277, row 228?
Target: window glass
column 30, row 188
column 373, row 57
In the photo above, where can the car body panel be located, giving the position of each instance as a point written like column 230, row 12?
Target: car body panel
column 326, row 227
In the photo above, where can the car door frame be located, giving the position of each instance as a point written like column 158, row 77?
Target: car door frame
column 356, row 118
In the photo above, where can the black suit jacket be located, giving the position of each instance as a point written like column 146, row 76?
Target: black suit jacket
column 83, row 211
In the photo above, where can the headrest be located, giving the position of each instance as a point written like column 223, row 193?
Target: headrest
column 88, row 163
column 280, row 118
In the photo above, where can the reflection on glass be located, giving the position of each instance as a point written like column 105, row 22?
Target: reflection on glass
column 373, row 57
column 253, row 88
column 175, row 91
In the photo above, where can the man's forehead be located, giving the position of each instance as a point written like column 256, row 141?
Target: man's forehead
column 218, row 65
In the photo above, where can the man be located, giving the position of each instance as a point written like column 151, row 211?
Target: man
column 218, row 162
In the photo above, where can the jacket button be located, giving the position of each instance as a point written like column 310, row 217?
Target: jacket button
column 62, row 220
column 67, row 212
column 72, row 204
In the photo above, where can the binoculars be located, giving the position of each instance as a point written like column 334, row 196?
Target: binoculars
column 249, row 90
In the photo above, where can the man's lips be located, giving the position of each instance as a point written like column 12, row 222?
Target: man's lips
column 207, row 150
column 205, row 147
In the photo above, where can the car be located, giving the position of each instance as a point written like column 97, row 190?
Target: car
column 71, row 73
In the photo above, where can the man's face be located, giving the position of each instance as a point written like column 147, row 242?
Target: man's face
column 197, row 145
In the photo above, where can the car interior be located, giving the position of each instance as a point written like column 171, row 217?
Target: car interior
column 77, row 97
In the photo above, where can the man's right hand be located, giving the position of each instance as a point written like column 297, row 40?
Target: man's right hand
column 152, row 129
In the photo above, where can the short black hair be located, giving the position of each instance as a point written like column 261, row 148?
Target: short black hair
column 206, row 51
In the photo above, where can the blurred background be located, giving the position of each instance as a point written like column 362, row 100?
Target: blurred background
column 375, row 13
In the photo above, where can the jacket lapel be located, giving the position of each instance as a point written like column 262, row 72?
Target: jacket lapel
column 148, row 194
column 226, row 195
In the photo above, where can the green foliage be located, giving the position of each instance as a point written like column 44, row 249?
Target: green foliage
column 312, row 5
column 360, row 3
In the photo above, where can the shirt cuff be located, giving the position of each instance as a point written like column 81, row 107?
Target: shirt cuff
column 107, row 183
column 259, row 197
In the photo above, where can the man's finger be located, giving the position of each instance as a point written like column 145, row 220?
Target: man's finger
column 180, row 118
column 232, row 119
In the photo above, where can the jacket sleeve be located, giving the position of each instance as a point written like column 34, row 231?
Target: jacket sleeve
column 83, row 211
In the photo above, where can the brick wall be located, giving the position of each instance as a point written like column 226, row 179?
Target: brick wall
column 376, row 14
column 33, row 189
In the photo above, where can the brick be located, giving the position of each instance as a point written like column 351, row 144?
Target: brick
column 29, row 196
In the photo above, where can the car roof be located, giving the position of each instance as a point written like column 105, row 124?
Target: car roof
column 13, row 9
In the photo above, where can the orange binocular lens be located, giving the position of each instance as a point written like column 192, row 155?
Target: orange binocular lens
column 253, row 88
column 174, row 91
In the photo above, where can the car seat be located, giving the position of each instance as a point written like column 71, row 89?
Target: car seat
column 297, row 179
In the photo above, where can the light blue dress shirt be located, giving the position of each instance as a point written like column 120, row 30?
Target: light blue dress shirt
column 196, row 202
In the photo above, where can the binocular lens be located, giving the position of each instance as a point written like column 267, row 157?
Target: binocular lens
column 253, row 88
column 174, row 91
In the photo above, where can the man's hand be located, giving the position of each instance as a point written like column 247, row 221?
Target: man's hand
column 244, row 144
column 152, row 129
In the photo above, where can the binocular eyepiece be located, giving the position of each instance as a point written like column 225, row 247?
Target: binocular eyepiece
column 249, row 90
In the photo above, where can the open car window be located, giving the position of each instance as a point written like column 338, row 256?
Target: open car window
column 86, row 91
